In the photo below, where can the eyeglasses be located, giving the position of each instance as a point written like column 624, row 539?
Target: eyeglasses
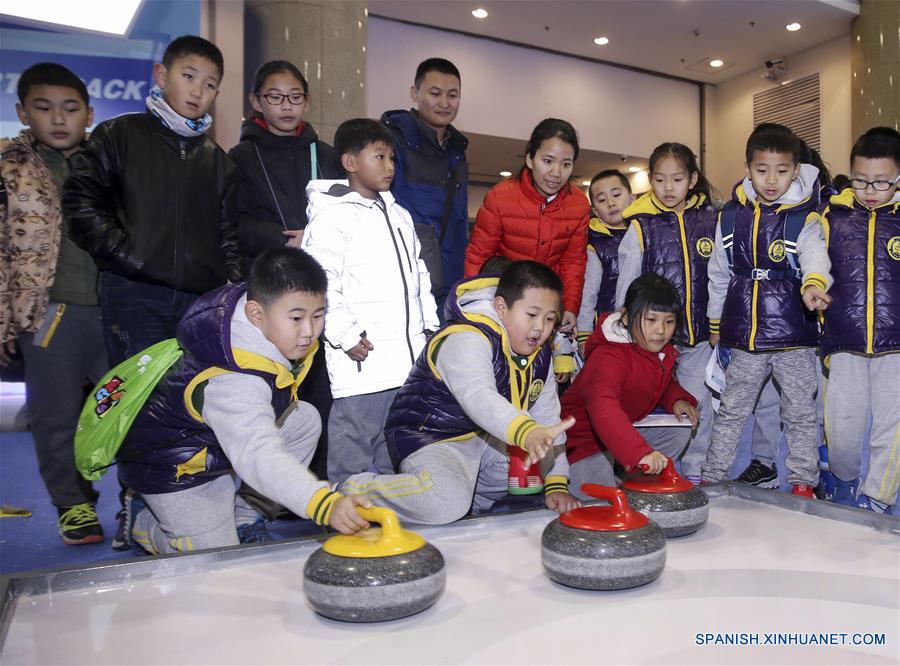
column 877, row 185
column 277, row 98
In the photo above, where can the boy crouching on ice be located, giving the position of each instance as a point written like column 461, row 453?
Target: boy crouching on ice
column 229, row 406
column 485, row 380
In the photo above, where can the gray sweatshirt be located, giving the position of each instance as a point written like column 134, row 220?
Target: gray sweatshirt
column 238, row 408
column 465, row 364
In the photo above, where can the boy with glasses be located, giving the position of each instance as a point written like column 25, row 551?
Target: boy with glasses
column 862, row 327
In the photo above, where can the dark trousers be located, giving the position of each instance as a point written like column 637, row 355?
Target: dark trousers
column 137, row 315
column 55, row 381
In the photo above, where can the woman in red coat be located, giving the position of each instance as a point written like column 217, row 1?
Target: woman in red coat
column 628, row 372
column 539, row 215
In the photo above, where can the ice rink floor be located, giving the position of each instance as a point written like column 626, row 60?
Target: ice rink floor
column 756, row 569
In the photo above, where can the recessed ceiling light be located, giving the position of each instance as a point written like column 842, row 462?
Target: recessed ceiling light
column 716, row 62
column 793, row 27
column 586, row 183
column 634, row 169
column 601, row 41
column 479, row 13
column 506, row 174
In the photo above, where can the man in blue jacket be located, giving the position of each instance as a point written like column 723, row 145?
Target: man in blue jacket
column 431, row 175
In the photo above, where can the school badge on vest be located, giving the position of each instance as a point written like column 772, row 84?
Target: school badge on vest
column 705, row 247
column 536, row 387
column 776, row 250
column 893, row 248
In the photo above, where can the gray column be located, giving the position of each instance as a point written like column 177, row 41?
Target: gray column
column 875, row 62
column 326, row 40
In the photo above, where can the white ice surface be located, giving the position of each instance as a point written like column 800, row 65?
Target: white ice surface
column 753, row 568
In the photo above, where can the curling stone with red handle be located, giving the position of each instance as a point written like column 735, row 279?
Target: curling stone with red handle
column 671, row 501
column 378, row 574
column 603, row 547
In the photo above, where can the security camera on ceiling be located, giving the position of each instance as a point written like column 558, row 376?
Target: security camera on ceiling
column 775, row 69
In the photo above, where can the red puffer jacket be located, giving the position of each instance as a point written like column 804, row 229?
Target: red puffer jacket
column 517, row 222
column 619, row 384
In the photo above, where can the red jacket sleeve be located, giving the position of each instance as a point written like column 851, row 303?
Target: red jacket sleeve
column 572, row 265
column 605, row 375
column 486, row 235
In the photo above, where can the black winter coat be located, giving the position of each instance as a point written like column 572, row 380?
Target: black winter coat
column 154, row 206
column 266, row 207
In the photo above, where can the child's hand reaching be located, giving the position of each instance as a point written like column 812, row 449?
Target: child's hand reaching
column 561, row 502
column 567, row 323
column 344, row 517
column 655, row 462
column 682, row 409
column 815, row 299
column 360, row 351
column 540, row 440
column 294, row 237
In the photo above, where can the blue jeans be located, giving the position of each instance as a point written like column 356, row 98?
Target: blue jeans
column 137, row 315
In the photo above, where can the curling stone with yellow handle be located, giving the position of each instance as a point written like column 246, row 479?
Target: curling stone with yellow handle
column 378, row 574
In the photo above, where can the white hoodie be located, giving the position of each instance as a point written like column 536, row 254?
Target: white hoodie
column 376, row 284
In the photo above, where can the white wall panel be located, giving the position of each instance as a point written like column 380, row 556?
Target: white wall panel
column 508, row 89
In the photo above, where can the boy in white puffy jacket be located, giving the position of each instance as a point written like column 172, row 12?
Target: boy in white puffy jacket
column 379, row 295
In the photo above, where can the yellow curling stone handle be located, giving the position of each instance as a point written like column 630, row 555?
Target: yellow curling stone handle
column 389, row 539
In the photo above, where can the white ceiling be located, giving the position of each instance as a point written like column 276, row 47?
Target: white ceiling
column 674, row 37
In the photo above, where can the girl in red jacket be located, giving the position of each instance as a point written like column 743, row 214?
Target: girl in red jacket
column 539, row 215
column 628, row 372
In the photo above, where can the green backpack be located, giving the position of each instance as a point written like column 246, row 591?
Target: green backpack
column 114, row 404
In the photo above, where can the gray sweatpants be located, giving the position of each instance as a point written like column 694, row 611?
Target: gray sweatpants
column 439, row 483
column 795, row 372
column 206, row 516
column 598, row 468
column 356, row 435
column 767, row 432
column 863, row 390
column 55, row 377
column 691, row 374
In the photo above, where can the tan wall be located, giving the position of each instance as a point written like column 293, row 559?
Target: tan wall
column 729, row 112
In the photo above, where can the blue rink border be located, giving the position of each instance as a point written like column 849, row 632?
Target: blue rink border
column 116, row 572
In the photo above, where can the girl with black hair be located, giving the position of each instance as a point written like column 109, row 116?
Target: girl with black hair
column 279, row 153
column 672, row 230
column 539, row 215
column 629, row 371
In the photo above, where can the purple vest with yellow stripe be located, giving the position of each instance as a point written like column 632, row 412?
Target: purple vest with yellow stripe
column 864, row 248
column 765, row 314
column 605, row 244
column 169, row 447
column 678, row 248
column 425, row 411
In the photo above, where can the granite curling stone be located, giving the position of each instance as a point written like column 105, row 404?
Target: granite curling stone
column 669, row 500
column 603, row 547
column 378, row 574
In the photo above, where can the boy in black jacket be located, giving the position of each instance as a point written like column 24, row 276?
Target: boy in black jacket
column 151, row 198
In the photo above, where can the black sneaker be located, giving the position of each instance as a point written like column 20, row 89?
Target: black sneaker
column 122, row 539
column 759, row 475
column 79, row 524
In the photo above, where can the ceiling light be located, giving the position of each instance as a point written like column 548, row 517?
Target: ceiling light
column 93, row 15
column 506, row 174
column 479, row 13
column 601, row 41
column 793, row 27
column 634, row 169
column 716, row 62
column 586, row 183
